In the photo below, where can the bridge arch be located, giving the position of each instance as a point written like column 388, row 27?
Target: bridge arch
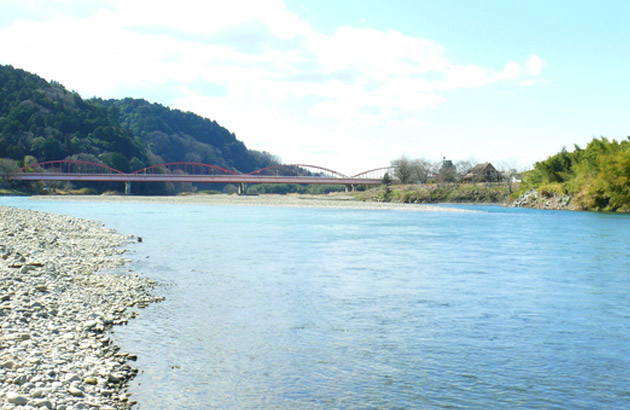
column 192, row 168
column 297, row 170
column 68, row 166
column 376, row 173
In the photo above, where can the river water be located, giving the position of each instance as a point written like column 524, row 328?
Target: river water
column 296, row 308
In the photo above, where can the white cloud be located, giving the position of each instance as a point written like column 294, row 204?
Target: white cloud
column 511, row 71
column 467, row 77
column 530, row 82
column 378, row 54
column 410, row 123
column 535, row 65
column 208, row 17
column 273, row 68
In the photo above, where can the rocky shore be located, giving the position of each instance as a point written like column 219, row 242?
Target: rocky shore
column 57, row 303
column 532, row 199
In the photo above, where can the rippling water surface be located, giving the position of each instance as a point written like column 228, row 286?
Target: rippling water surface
column 289, row 308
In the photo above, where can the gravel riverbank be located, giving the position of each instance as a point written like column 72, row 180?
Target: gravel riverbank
column 334, row 201
column 56, row 306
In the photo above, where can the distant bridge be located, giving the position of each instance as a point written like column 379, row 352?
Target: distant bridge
column 74, row 170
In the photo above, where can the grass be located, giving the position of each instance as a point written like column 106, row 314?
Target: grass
column 437, row 193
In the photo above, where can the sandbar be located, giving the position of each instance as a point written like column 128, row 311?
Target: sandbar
column 335, row 201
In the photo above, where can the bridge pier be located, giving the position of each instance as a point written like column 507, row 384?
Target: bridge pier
column 241, row 188
column 127, row 187
column 350, row 187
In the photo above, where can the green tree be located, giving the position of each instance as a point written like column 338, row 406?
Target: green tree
column 447, row 172
column 29, row 160
column 598, row 176
column 115, row 160
column 387, row 180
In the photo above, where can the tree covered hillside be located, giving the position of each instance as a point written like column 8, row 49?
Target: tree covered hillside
column 596, row 177
column 48, row 122
column 43, row 121
column 172, row 135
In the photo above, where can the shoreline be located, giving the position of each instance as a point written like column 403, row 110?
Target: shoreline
column 270, row 200
column 58, row 300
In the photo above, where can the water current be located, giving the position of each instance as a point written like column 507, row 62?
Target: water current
column 300, row 308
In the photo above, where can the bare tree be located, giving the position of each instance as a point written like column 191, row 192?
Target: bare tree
column 462, row 167
column 508, row 170
column 402, row 169
column 412, row 170
column 421, row 170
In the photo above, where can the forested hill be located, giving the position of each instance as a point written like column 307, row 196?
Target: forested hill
column 43, row 121
column 173, row 135
column 48, row 122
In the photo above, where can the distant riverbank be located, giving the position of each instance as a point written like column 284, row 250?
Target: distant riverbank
column 335, row 201
column 481, row 193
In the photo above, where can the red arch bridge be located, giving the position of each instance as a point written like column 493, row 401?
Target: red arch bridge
column 74, row 170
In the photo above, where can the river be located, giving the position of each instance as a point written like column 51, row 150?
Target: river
column 300, row 308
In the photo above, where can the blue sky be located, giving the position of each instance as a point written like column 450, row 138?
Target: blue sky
column 349, row 85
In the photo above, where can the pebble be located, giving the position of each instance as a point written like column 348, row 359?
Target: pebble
column 15, row 398
column 114, row 378
column 41, row 288
column 57, row 308
column 75, row 391
column 37, row 393
column 44, row 403
column 9, row 364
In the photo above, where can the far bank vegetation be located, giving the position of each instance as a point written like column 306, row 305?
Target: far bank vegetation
column 594, row 178
column 422, row 181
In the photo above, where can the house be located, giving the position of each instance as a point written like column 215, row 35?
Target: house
column 513, row 176
column 482, row 173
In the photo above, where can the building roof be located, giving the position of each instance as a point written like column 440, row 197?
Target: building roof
column 480, row 168
column 484, row 171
